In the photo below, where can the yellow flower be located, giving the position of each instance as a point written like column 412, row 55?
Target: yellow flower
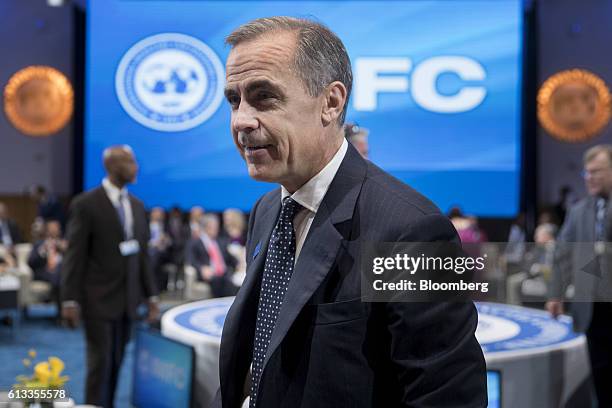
column 42, row 373
column 26, row 362
column 57, row 366
column 32, row 353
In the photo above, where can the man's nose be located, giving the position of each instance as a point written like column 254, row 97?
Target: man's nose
column 244, row 119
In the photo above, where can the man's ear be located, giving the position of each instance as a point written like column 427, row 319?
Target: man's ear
column 333, row 104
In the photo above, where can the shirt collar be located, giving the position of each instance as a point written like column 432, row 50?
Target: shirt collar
column 311, row 194
column 112, row 191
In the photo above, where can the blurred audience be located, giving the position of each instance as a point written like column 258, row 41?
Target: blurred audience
column 234, row 226
column 9, row 232
column 49, row 208
column 515, row 248
column 159, row 246
column 531, row 282
column 195, row 218
column 46, row 257
column 179, row 234
column 208, row 254
column 467, row 227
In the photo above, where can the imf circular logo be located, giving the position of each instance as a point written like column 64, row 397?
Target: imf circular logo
column 170, row 82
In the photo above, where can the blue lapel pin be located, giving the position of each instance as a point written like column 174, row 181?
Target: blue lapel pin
column 256, row 251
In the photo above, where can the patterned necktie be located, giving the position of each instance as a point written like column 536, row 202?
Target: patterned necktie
column 276, row 275
column 600, row 217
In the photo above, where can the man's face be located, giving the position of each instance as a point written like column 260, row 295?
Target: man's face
column 275, row 124
column 157, row 214
column 196, row 213
column 212, row 229
column 54, row 229
column 598, row 175
column 122, row 166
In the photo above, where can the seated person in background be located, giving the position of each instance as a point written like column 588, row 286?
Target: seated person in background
column 159, row 245
column 539, row 260
column 467, row 227
column 9, row 232
column 234, row 226
column 209, row 256
column 195, row 219
column 179, row 234
column 515, row 249
column 531, row 283
column 46, row 257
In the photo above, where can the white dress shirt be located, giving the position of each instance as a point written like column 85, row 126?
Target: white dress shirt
column 114, row 193
column 310, row 196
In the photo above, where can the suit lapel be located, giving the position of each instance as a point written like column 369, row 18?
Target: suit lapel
column 322, row 244
column 108, row 207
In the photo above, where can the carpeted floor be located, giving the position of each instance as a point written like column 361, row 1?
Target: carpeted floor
column 41, row 333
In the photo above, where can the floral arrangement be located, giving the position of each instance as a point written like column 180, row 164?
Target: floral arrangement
column 45, row 384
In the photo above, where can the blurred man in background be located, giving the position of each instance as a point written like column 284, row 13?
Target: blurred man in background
column 195, row 219
column 159, row 246
column 209, row 256
column 106, row 271
column 581, row 247
column 46, row 257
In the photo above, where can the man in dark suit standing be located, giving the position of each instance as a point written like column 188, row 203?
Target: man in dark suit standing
column 580, row 260
column 299, row 318
column 106, row 274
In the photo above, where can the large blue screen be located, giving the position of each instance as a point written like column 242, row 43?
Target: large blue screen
column 437, row 83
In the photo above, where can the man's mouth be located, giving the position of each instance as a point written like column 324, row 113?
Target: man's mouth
column 250, row 149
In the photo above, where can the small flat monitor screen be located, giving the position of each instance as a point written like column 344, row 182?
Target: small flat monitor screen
column 436, row 83
column 494, row 388
column 163, row 372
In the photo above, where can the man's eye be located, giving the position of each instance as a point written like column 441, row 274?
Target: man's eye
column 262, row 96
column 234, row 101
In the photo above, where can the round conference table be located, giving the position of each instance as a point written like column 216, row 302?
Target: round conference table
column 532, row 359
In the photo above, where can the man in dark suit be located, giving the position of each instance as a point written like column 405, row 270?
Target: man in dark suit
column 299, row 318
column 209, row 256
column 106, row 274
column 579, row 260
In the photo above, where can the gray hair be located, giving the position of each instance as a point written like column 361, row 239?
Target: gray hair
column 596, row 150
column 209, row 219
column 320, row 56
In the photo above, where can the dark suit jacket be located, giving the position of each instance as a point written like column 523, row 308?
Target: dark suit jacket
column 197, row 256
column 330, row 349
column 37, row 261
column 94, row 273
